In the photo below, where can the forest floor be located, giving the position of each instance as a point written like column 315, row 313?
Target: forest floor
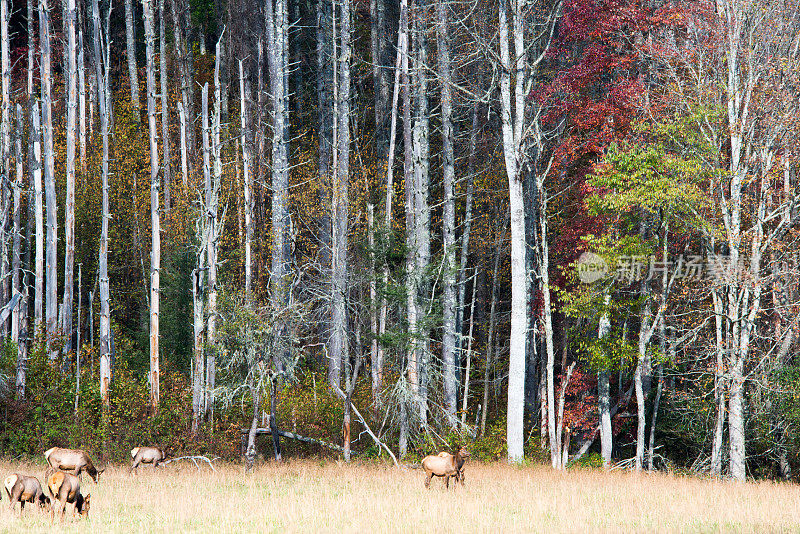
column 309, row 496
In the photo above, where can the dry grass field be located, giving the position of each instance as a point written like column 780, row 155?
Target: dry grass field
column 306, row 496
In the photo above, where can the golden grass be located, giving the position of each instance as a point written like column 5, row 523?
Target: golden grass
column 307, row 496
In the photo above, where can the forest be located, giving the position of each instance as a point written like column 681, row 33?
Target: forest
column 554, row 231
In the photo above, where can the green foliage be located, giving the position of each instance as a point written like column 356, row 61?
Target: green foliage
column 590, row 460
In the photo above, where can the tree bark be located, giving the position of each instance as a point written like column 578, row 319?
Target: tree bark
column 603, row 394
column 276, row 26
column 155, row 216
column 448, row 215
column 101, row 70
column 165, row 144
column 51, row 300
column 69, row 211
column 339, row 321
column 20, row 275
column 36, row 178
column 244, row 92
column 133, row 71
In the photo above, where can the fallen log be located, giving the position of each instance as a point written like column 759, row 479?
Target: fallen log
column 194, row 459
column 298, row 437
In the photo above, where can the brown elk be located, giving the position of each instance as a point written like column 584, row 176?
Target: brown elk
column 66, row 488
column 445, row 465
column 147, row 455
column 73, row 461
column 22, row 488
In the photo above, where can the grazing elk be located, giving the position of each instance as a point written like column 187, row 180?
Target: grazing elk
column 147, row 455
column 66, row 488
column 445, row 465
column 21, row 489
column 72, row 461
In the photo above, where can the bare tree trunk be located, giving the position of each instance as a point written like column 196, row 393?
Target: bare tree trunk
column 719, row 388
column 603, row 394
column 250, row 454
column 200, row 363
column 81, row 99
column 340, row 209
column 101, row 70
column 402, row 47
column 69, row 211
column 31, row 47
column 422, row 219
column 5, row 131
column 16, row 237
column 20, row 315
column 78, row 348
column 213, row 232
column 181, row 24
column 36, row 172
column 465, row 234
column 184, row 155
column 511, row 126
column 448, row 215
column 162, row 56
column 276, row 24
column 51, row 300
column 470, row 340
column 244, row 92
column 155, row 217
column 561, row 463
column 325, row 66
column 411, row 237
column 133, row 71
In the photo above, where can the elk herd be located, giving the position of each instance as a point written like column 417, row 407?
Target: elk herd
column 65, row 467
column 62, row 478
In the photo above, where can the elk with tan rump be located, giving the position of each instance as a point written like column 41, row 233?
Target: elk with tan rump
column 22, row 488
column 73, row 461
column 147, row 455
column 445, row 465
column 66, row 488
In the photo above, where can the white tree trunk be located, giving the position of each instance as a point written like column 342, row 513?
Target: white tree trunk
column 51, row 299
column 603, row 394
column 155, row 216
column 81, row 99
column 402, row 46
column 36, row 178
column 165, row 145
column 101, row 72
column 69, row 210
column 448, row 216
column 277, row 26
column 244, row 92
column 17, row 318
column 511, row 128
column 133, row 71
column 213, row 232
column 422, row 216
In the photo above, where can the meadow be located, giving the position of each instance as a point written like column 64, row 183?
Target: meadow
column 308, row 496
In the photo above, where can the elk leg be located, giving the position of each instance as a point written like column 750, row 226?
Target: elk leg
column 428, row 480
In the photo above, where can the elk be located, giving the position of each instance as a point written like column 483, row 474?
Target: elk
column 22, row 488
column 147, row 455
column 445, row 465
column 66, row 488
column 72, row 461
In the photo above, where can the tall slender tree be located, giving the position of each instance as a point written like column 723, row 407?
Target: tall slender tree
column 69, row 210
column 155, row 216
